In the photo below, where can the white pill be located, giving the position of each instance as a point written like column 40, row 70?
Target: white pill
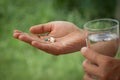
column 52, row 39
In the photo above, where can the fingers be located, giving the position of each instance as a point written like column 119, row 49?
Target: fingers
column 21, row 36
column 24, row 37
column 28, row 38
column 90, row 68
column 16, row 33
column 91, row 55
column 38, row 29
column 38, row 42
column 87, row 77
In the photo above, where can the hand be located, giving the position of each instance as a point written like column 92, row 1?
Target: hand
column 69, row 38
column 104, row 67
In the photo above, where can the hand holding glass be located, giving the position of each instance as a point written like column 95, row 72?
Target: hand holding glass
column 103, row 36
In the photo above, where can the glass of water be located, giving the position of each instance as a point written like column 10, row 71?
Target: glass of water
column 103, row 36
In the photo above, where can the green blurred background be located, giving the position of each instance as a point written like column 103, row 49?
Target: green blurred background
column 20, row 61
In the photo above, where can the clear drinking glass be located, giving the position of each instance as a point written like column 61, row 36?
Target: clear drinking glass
column 103, row 36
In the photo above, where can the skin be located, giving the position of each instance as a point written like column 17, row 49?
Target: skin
column 69, row 38
column 104, row 67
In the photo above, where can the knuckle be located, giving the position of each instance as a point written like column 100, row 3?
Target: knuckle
column 107, row 61
column 84, row 64
column 85, row 53
column 104, row 73
column 85, row 77
column 104, row 76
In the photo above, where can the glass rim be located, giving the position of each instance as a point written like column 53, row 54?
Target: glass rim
column 105, row 19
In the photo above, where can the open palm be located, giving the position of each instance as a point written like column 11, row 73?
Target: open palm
column 69, row 38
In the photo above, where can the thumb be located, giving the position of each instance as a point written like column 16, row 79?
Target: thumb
column 91, row 55
column 42, row 28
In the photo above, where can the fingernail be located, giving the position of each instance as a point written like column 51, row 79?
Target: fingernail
column 83, row 49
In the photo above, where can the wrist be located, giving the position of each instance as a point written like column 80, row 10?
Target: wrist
column 83, row 38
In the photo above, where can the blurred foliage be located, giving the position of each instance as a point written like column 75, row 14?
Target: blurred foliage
column 19, row 61
column 89, row 9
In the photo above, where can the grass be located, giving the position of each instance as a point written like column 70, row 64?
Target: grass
column 20, row 61
column 24, row 62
